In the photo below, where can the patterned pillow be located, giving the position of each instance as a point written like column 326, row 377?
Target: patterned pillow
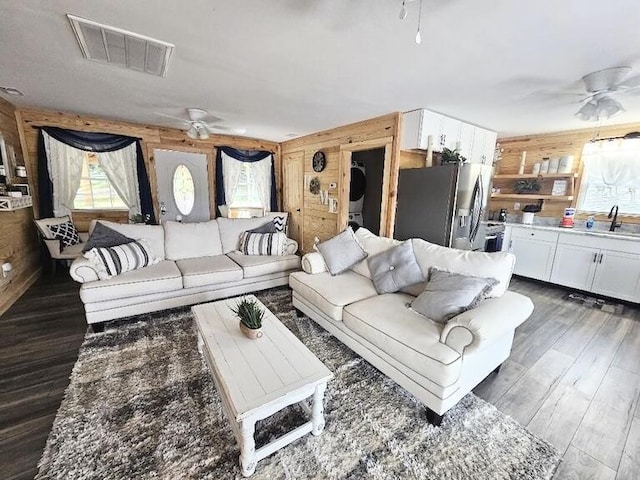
column 280, row 223
column 263, row 243
column 112, row 261
column 66, row 233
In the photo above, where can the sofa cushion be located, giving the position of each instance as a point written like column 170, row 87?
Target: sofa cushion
column 201, row 271
column 330, row 294
column 395, row 268
column 153, row 234
column 103, row 236
column 498, row 265
column 258, row 265
column 372, row 244
column 161, row 277
column 231, row 228
column 449, row 294
column 191, row 240
column 342, row 251
column 404, row 334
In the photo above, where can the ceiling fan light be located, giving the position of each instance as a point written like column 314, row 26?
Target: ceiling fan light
column 203, row 134
column 608, row 107
column 192, row 132
column 589, row 111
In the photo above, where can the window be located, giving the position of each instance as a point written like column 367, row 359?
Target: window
column 96, row 191
column 611, row 176
column 247, row 192
column 184, row 192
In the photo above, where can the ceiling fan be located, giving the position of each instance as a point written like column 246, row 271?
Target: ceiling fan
column 199, row 128
column 603, row 86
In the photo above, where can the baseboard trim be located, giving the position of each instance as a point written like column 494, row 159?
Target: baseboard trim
column 17, row 290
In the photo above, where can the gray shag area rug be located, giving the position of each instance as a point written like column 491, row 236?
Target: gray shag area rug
column 141, row 404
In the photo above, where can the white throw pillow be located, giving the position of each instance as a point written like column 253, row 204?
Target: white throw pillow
column 152, row 234
column 191, row 240
column 263, row 243
column 232, row 228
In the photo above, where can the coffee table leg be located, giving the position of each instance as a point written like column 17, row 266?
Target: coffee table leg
column 317, row 410
column 248, row 448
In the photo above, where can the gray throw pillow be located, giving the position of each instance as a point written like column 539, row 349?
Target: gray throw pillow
column 395, row 268
column 342, row 251
column 104, row 237
column 449, row 294
column 269, row 227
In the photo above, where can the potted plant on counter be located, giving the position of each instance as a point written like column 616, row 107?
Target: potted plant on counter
column 250, row 315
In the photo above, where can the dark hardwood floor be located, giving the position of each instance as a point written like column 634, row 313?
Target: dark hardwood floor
column 40, row 336
column 573, row 378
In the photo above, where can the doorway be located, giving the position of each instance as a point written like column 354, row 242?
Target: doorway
column 183, row 188
column 365, row 188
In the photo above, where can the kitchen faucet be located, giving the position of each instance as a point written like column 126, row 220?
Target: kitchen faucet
column 614, row 215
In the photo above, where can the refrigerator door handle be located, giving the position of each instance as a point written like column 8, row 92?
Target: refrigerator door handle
column 476, row 215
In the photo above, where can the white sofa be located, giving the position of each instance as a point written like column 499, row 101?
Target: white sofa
column 199, row 263
column 439, row 364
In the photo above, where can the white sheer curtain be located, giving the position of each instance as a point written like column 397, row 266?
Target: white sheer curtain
column 65, row 171
column 232, row 173
column 122, row 171
column 262, row 176
column 615, row 163
column 611, row 176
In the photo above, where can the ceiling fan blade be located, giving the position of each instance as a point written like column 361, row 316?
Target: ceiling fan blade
column 631, row 82
column 183, row 120
column 606, row 79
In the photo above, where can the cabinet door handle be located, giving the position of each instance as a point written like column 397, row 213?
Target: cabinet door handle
column 600, row 260
column 595, row 258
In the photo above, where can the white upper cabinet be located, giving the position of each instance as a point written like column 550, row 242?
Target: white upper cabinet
column 475, row 144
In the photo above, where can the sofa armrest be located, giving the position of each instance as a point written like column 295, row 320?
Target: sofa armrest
column 54, row 246
column 492, row 319
column 82, row 270
column 313, row 263
column 291, row 247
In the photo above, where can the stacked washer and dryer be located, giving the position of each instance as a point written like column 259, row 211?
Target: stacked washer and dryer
column 357, row 189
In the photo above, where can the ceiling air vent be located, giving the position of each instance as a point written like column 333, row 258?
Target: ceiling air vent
column 121, row 48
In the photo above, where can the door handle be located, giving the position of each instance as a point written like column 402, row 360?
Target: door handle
column 600, row 260
column 595, row 257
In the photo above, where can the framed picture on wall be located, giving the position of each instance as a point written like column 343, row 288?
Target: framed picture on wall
column 23, row 187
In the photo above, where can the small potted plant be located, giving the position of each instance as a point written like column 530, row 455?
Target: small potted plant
column 451, row 156
column 250, row 315
column 527, row 186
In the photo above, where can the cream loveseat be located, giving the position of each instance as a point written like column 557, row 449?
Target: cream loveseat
column 199, row 263
column 439, row 364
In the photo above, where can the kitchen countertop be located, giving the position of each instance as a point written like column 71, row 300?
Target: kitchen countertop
column 620, row 235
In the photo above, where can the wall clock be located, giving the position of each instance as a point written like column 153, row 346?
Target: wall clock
column 319, row 161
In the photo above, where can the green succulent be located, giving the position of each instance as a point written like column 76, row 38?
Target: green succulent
column 451, row 156
column 249, row 313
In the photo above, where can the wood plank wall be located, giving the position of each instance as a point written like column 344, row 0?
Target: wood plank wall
column 317, row 221
column 18, row 237
column 151, row 136
column 552, row 145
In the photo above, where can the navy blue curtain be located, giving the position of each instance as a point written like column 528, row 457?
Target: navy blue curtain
column 90, row 142
column 243, row 156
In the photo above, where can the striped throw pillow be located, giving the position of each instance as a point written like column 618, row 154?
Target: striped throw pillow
column 112, row 261
column 262, row 243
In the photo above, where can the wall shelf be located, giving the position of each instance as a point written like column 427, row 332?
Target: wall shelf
column 516, row 176
column 529, row 196
column 9, row 204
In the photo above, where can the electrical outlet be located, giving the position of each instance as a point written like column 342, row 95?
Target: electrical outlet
column 516, row 206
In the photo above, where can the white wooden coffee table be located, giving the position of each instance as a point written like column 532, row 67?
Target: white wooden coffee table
column 257, row 378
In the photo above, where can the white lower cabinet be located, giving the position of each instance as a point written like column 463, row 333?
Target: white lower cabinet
column 534, row 251
column 618, row 275
column 574, row 266
column 602, row 265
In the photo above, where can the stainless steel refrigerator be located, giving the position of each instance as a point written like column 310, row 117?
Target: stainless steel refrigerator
column 445, row 205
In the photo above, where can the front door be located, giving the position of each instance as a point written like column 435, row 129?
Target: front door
column 293, row 173
column 183, row 189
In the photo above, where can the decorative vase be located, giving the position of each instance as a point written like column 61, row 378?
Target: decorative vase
column 250, row 332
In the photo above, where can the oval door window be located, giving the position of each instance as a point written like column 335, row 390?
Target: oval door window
column 184, row 192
